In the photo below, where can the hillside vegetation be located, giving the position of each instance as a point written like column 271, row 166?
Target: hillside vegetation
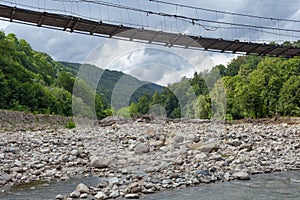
column 248, row 87
column 32, row 81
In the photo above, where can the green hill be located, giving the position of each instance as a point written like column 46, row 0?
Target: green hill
column 32, row 81
column 107, row 82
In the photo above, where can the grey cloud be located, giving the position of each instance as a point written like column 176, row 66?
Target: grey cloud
column 77, row 48
column 60, row 45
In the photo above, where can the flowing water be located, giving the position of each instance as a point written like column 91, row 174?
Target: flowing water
column 279, row 186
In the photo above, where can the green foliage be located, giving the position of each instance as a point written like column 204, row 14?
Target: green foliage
column 249, row 87
column 289, row 98
column 229, row 117
column 203, row 105
column 263, row 87
column 31, row 81
column 70, row 124
column 133, row 110
column 124, row 112
column 107, row 81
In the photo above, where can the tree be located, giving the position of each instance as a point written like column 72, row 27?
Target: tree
column 143, row 104
column 203, row 105
column 218, row 101
column 289, row 100
column 234, row 66
column 66, row 81
column 133, row 110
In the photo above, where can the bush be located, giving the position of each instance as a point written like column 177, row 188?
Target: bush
column 70, row 124
column 229, row 117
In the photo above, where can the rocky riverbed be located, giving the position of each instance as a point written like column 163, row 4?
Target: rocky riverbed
column 135, row 159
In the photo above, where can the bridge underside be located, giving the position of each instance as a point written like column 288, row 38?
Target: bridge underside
column 75, row 24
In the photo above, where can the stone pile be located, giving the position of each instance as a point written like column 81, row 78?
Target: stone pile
column 135, row 159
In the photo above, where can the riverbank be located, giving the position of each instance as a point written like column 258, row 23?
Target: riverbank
column 135, row 159
column 272, row 186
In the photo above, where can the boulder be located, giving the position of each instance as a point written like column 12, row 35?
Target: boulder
column 205, row 147
column 100, row 163
column 241, row 175
column 82, row 188
column 141, row 148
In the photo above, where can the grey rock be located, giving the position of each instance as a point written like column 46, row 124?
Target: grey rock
column 75, row 194
column 178, row 139
column 114, row 194
column 216, row 157
column 141, row 148
column 235, row 142
column 205, row 147
column 242, row 175
column 18, row 163
column 46, row 150
column 5, row 177
column 209, row 147
column 113, row 181
column 131, row 147
column 196, row 139
column 82, row 188
column 59, row 196
column 101, row 196
column 100, row 163
column 132, row 196
column 246, row 146
column 83, row 196
column 227, row 176
column 75, row 152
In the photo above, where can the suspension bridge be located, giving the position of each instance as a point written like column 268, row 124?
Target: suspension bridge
column 140, row 34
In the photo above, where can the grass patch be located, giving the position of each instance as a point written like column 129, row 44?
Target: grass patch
column 70, row 124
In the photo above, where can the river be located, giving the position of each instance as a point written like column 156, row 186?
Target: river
column 281, row 185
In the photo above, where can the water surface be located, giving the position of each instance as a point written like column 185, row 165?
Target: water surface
column 275, row 186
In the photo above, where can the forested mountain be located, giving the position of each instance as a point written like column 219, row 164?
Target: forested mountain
column 248, row 87
column 32, row 81
column 107, row 81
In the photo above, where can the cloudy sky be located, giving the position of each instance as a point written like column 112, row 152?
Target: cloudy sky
column 147, row 62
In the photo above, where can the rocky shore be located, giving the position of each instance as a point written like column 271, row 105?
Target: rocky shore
column 135, row 159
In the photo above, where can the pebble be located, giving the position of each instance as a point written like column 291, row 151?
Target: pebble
column 75, row 194
column 132, row 196
column 131, row 163
column 101, row 196
column 242, row 175
column 100, row 163
column 59, row 196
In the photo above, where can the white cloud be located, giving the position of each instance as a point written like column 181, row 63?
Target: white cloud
column 223, row 59
column 4, row 25
column 147, row 62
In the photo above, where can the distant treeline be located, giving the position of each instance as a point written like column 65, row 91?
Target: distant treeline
column 252, row 87
column 33, row 82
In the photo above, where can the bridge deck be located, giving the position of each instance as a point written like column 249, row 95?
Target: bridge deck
column 76, row 24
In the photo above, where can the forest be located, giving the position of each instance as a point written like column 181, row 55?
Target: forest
column 248, row 87
column 33, row 82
